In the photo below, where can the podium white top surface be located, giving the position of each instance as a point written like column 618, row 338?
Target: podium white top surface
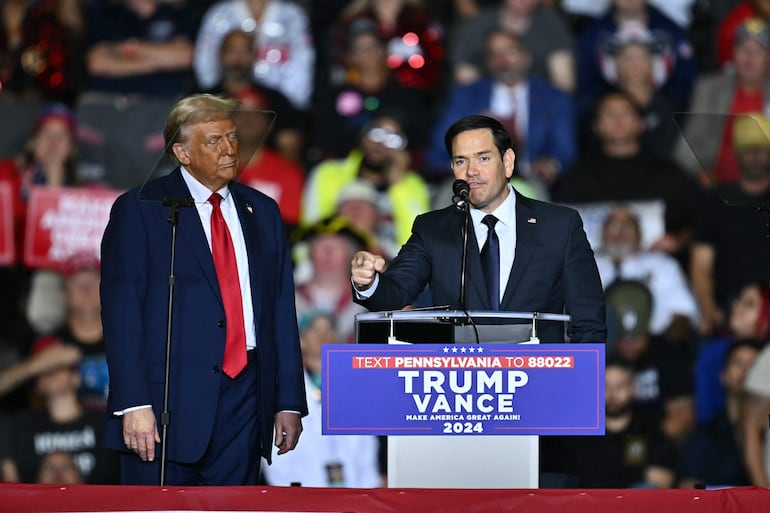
column 426, row 314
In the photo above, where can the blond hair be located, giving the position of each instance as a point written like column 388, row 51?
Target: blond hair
column 191, row 110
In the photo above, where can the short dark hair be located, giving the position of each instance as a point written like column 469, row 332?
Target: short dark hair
column 614, row 360
column 740, row 343
column 612, row 94
column 501, row 31
column 499, row 133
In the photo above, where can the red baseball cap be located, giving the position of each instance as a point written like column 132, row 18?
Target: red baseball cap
column 82, row 261
column 57, row 111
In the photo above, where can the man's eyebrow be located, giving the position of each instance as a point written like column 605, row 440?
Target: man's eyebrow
column 478, row 153
column 221, row 134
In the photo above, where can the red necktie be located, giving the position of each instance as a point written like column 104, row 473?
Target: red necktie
column 227, row 275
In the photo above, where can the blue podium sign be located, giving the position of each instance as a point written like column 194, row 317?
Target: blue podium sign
column 438, row 389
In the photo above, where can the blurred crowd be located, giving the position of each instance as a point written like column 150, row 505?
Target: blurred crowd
column 614, row 106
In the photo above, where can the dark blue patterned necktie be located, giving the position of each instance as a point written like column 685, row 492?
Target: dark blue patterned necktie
column 490, row 261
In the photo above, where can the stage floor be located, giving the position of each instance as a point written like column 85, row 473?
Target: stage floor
column 19, row 498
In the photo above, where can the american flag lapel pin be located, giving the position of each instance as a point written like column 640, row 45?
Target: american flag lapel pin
column 532, row 220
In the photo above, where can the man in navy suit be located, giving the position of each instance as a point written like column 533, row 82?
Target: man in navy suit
column 545, row 262
column 539, row 117
column 222, row 420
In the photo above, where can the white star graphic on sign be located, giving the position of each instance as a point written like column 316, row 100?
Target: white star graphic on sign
column 472, row 349
column 462, row 349
column 446, row 349
column 480, row 350
column 454, row 349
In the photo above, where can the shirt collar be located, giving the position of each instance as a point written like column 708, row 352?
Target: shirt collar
column 505, row 213
column 200, row 192
column 518, row 91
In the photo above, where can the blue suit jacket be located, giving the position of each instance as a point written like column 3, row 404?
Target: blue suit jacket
column 550, row 128
column 554, row 270
column 134, row 289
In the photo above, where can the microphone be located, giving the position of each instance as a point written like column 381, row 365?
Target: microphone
column 178, row 201
column 175, row 203
column 461, row 190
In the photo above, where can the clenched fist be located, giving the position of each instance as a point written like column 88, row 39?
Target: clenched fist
column 365, row 267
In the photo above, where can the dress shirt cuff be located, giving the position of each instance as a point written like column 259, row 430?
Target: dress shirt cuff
column 128, row 410
column 366, row 294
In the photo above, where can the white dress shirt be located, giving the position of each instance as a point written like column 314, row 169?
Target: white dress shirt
column 201, row 196
column 671, row 293
column 512, row 102
column 284, row 55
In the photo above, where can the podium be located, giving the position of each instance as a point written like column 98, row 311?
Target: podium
column 458, row 461
column 443, row 326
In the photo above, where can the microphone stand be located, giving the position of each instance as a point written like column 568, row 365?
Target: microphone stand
column 464, row 205
column 174, row 205
column 534, row 339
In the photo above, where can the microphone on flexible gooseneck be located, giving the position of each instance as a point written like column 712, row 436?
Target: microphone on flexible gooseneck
column 461, row 190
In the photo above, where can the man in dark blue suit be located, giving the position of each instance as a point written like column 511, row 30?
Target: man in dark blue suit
column 222, row 415
column 545, row 262
column 539, row 117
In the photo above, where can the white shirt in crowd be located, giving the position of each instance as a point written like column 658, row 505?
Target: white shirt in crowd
column 671, row 293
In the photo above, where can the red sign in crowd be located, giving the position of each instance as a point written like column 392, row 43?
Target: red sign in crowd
column 7, row 242
column 62, row 222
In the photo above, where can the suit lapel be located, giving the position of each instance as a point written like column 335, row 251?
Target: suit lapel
column 190, row 232
column 526, row 241
column 475, row 285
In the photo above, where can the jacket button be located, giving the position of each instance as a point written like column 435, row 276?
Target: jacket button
column 221, row 324
column 215, row 369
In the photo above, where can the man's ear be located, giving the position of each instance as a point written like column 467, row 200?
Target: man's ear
column 181, row 153
column 509, row 159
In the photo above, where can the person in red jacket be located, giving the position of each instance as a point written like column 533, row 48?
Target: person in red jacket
column 48, row 158
column 262, row 167
column 726, row 30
